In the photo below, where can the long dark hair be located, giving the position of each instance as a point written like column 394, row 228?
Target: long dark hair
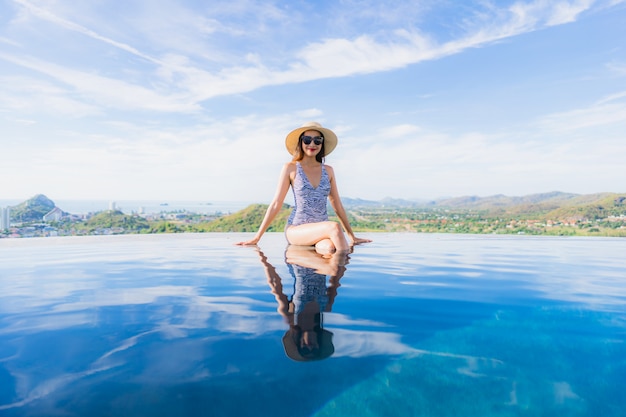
column 298, row 155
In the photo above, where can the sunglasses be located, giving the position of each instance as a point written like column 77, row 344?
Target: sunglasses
column 318, row 140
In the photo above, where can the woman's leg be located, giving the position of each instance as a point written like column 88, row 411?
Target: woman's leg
column 325, row 247
column 328, row 234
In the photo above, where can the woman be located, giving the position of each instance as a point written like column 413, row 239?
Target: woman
column 313, row 183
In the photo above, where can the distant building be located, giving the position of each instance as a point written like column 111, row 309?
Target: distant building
column 5, row 218
column 112, row 205
column 53, row 215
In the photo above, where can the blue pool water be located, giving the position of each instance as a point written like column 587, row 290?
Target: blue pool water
column 415, row 325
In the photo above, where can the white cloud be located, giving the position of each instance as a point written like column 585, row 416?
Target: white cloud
column 46, row 14
column 613, row 97
column 358, row 344
column 107, row 92
column 115, row 106
column 31, row 95
column 607, row 111
column 427, row 164
column 9, row 41
column 618, row 68
column 400, row 130
column 566, row 12
column 332, row 57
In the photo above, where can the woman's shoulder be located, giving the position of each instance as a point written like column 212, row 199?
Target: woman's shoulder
column 289, row 167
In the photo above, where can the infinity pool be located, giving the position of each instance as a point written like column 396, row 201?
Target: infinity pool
column 409, row 325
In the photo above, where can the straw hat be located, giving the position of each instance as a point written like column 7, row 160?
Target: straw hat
column 325, row 340
column 330, row 139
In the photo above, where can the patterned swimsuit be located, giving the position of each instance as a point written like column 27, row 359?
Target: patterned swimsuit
column 309, row 201
column 309, row 285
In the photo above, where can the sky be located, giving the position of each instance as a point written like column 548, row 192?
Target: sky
column 192, row 100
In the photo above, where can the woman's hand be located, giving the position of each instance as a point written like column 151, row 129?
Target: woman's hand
column 250, row 242
column 357, row 240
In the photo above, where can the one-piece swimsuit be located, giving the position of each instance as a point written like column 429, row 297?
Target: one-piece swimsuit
column 309, row 285
column 309, row 202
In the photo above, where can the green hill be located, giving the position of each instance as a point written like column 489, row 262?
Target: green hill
column 495, row 202
column 112, row 219
column 555, row 205
column 604, row 205
column 248, row 220
column 33, row 209
column 531, row 204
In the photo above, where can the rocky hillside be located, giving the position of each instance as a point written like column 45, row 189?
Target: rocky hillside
column 33, row 209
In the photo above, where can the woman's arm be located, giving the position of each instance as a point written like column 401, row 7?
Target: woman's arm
column 276, row 285
column 276, row 204
column 335, row 202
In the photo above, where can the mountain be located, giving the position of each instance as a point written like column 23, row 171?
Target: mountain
column 555, row 198
column 552, row 205
column 593, row 206
column 499, row 203
column 248, row 220
column 386, row 202
column 33, row 209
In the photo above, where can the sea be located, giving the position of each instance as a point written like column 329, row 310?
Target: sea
column 142, row 206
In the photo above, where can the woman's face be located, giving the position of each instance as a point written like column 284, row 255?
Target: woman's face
column 312, row 148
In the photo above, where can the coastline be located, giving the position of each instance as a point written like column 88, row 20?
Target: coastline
column 82, row 207
column 604, row 217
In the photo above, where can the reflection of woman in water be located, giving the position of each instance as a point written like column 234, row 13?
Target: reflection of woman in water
column 306, row 339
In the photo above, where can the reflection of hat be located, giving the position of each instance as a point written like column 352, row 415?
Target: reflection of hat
column 330, row 139
column 325, row 341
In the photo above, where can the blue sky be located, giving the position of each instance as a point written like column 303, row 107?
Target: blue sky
column 191, row 100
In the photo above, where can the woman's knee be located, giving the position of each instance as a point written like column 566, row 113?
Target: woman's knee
column 334, row 229
column 325, row 247
column 336, row 236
